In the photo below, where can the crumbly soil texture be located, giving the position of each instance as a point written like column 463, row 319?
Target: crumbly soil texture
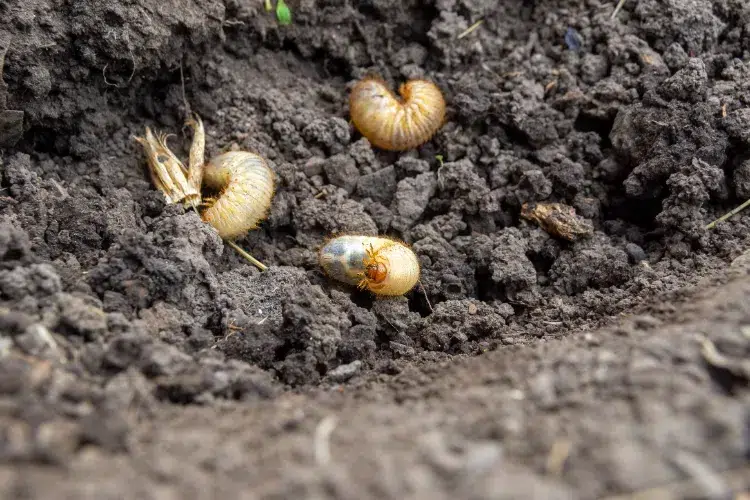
column 141, row 357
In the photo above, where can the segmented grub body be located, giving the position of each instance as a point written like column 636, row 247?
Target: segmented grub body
column 397, row 124
column 244, row 181
column 381, row 265
column 246, row 184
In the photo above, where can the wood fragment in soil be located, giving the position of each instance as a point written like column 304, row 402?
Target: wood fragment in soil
column 558, row 220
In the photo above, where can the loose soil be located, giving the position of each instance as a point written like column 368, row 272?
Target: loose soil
column 142, row 358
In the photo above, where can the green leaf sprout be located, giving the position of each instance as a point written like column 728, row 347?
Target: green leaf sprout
column 283, row 14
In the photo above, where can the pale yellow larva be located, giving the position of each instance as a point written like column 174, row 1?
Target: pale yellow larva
column 381, row 265
column 397, row 124
column 246, row 185
column 244, row 181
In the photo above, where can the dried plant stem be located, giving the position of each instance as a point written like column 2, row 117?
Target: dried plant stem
column 470, row 29
column 617, row 9
column 729, row 214
column 247, row 256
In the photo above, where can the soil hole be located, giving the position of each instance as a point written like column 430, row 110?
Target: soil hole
column 418, row 302
column 602, row 126
column 363, row 300
column 639, row 212
column 46, row 140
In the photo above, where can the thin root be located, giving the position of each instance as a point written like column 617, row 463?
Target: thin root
column 112, row 84
column 247, row 256
column 728, row 215
column 188, row 111
column 424, row 291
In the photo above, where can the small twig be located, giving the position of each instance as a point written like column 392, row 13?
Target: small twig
column 729, row 214
column 470, row 29
column 617, row 9
column 322, row 441
column 247, row 256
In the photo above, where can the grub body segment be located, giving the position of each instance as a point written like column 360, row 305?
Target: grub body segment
column 397, row 124
column 246, row 184
column 244, row 181
column 380, row 265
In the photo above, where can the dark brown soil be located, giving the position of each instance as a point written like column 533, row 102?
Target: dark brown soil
column 141, row 358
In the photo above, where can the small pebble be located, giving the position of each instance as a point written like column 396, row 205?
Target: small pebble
column 573, row 40
column 635, row 253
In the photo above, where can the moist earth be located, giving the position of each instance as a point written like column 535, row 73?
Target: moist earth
column 140, row 357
